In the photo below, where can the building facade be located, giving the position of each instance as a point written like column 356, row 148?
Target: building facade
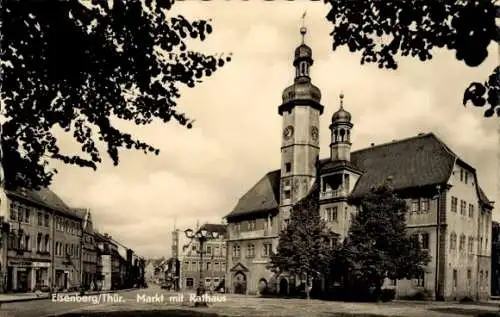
column 35, row 217
column 67, row 246
column 89, row 250
column 448, row 211
column 495, row 260
column 104, row 266
column 214, row 261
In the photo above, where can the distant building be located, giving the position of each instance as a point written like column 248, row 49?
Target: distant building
column 104, row 264
column 495, row 259
column 155, row 270
column 214, row 261
column 89, row 250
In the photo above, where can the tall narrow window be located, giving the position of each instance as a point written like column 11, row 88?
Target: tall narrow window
column 424, row 204
column 424, row 240
column 454, row 204
column 453, row 242
column 414, row 205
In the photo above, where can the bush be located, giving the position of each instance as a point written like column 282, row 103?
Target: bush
column 387, row 295
column 466, row 299
column 420, row 295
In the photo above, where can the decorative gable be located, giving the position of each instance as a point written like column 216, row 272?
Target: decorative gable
column 239, row 267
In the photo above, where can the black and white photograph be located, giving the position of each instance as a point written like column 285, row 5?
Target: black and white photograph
column 249, row 158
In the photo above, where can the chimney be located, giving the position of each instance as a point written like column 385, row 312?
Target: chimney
column 372, row 144
column 421, row 133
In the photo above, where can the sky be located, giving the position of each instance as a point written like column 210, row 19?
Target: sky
column 201, row 173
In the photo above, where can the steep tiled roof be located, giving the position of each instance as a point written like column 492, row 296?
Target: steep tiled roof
column 46, row 198
column 413, row 162
column 213, row 227
column 262, row 196
column 483, row 198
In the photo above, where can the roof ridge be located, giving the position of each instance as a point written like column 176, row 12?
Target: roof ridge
column 419, row 136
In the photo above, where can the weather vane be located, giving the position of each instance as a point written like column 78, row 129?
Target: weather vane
column 303, row 29
column 341, row 96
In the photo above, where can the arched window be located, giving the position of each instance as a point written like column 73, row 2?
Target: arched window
column 462, row 243
column 342, row 134
column 39, row 243
column 453, row 241
column 47, row 243
column 303, row 69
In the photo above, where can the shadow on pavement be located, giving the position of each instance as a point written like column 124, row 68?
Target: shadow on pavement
column 144, row 313
column 466, row 312
column 189, row 313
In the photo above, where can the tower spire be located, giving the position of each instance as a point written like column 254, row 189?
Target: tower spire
column 341, row 96
column 303, row 29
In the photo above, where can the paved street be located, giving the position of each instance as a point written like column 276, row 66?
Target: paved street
column 244, row 306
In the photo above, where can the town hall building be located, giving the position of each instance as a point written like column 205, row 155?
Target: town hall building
column 448, row 211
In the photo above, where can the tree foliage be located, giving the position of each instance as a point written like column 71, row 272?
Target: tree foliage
column 304, row 245
column 416, row 27
column 81, row 65
column 378, row 245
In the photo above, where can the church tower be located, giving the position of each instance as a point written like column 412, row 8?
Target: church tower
column 300, row 111
column 340, row 146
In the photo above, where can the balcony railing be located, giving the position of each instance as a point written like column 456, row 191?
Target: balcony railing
column 330, row 193
column 251, row 234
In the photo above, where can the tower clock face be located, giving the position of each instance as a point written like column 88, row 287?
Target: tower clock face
column 314, row 133
column 288, row 132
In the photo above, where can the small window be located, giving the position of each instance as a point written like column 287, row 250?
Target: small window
column 461, row 175
column 471, row 210
column 424, row 204
column 424, row 240
column 469, row 275
column 189, row 282
column 287, row 194
column 40, row 218
column 454, row 204
column 414, row 205
column 288, row 167
column 466, row 177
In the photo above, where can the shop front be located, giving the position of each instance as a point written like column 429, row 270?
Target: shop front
column 19, row 276
column 41, row 274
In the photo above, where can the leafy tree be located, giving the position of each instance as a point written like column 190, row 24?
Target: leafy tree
column 304, row 245
column 378, row 246
column 383, row 29
column 82, row 66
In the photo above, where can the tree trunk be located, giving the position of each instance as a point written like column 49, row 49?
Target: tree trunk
column 308, row 286
column 378, row 290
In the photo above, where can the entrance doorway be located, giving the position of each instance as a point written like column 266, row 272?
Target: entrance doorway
column 65, row 280
column 22, row 280
column 240, row 283
column 10, row 278
column 283, row 287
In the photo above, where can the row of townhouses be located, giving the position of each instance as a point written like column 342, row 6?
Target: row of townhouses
column 45, row 244
column 448, row 210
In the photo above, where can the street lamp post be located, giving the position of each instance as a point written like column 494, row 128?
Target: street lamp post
column 201, row 236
